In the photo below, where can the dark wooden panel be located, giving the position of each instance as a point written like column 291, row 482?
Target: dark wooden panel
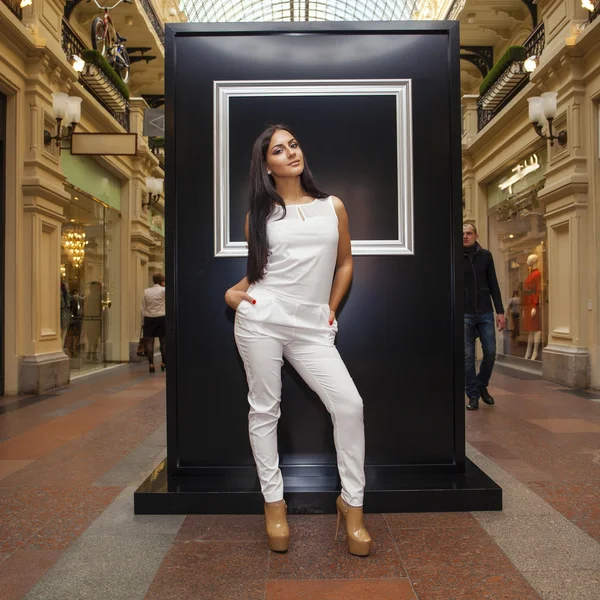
column 351, row 146
column 400, row 333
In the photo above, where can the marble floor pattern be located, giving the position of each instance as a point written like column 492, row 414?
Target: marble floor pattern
column 71, row 459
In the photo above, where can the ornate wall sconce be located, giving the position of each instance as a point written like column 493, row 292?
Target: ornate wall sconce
column 155, row 190
column 544, row 109
column 65, row 108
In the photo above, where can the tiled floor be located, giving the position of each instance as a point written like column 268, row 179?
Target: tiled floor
column 70, row 461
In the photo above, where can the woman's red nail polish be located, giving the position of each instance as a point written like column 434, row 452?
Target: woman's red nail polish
column 253, row 301
column 331, row 322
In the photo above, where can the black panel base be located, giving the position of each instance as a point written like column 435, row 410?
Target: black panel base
column 389, row 490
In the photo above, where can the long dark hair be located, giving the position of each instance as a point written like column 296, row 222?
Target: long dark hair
column 264, row 198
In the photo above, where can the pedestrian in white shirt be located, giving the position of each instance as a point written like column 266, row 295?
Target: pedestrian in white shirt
column 153, row 311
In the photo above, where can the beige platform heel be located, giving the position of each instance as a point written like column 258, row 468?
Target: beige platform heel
column 359, row 540
column 278, row 532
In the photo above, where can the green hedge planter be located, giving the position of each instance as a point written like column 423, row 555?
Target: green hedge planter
column 159, row 142
column 95, row 58
column 513, row 54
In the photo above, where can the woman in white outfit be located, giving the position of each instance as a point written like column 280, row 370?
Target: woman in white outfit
column 299, row 269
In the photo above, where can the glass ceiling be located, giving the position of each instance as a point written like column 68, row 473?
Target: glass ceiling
column 212, row 11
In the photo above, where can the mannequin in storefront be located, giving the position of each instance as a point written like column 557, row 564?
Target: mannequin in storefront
column 532, row 322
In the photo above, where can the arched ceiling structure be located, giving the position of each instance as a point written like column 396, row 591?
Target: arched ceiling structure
column 212, row 11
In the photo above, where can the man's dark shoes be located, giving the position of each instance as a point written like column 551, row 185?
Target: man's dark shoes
column 473, row 404
column 485, row 396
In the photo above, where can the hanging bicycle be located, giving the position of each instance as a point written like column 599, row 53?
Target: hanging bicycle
column 109, row 43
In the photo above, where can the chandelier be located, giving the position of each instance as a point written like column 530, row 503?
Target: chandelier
column 74, row 243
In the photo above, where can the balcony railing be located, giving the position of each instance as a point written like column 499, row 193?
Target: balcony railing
column 157, row 147
column 15, row 7
column 534, row 46
column 73, row 45
column 151, row 13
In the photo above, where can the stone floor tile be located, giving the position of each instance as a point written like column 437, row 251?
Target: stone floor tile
column 119, row 520
column 522, row 470
column 578, row 502
column 212, row 571
column 104, row 567
column 441, row 549
column 493, row 450
column 399, row 521
column 63, row 529
column 23, row 512
column 542, row 543
column 233, row 528
column 21, row 571
column 540, row 443
column 566, row 585
column 8, row 467
column 567, row 425
column 362, row 589
column 128, row 469
column 463, row 584
column 314, row 554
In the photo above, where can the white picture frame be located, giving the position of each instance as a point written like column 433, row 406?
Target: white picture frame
column 224, row 247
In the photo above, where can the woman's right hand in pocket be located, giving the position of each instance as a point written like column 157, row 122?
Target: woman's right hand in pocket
column 234, row 298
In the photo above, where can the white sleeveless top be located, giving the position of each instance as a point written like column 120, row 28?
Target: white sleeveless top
column 302, row 257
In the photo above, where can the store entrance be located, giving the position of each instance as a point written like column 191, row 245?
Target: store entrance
column 88, row 299
column 518, row 241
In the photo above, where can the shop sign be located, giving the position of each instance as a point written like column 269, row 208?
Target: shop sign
column 519, row 172
column 104, row 144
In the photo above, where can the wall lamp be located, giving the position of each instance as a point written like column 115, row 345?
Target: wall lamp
column 65, row 108
column 25, row 3
column 531, row 63
column 544, row 109
column 76, row 62
column 155, row 190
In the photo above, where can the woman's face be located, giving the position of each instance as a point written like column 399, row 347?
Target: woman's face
column 284, row 157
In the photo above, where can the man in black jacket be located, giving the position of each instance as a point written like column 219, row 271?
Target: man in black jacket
column 481, row 288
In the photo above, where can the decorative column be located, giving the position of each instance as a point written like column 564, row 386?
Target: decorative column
column 469, row 119
column 43, row 364
column 566, row 359
column 142, row 240
column 141, row 243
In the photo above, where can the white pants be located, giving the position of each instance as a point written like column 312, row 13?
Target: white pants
column 310, row 350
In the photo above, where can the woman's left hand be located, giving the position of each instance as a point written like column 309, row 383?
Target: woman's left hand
column 331, row 317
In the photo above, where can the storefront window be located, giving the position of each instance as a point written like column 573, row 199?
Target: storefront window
column 518, row 240
column 90, row 272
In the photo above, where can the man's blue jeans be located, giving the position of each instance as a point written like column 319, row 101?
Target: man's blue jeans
column 482, row 326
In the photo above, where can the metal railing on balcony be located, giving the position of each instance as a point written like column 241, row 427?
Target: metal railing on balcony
column 158, row 149
column 151, row 13
column 15, row 7
column 73, row 45
column 534, row 46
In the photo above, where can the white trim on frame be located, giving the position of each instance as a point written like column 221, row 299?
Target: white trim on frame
column 400, row 88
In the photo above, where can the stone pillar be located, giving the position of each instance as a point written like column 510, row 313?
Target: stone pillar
column 141, row 245
column 566, row 358
column 43, row 364
column 469, row 119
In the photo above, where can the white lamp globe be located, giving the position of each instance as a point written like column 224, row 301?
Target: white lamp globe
column 59, row 105
column 549, row 100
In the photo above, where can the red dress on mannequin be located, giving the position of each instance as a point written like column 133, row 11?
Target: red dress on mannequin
column 531, row 299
